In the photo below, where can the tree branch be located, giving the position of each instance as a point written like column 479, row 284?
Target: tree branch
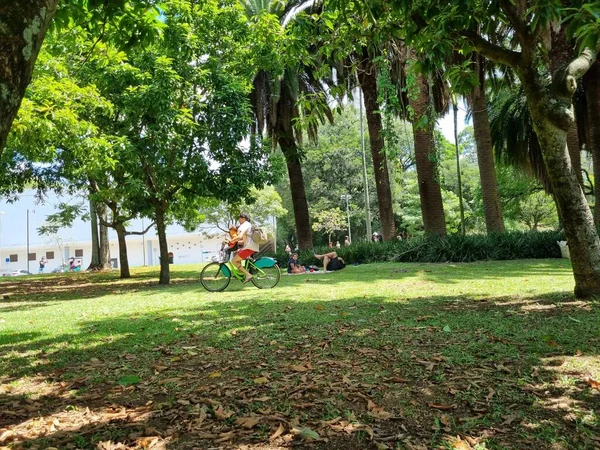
column 138, row 233
column 515, row 17
column 564, row 82
column 492, row 51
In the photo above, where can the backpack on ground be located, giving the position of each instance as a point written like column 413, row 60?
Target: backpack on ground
column 259, row 235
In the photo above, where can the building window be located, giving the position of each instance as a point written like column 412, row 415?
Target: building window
column 14, row 258
column 79, row 253
column 49, row 255
column 32, row 257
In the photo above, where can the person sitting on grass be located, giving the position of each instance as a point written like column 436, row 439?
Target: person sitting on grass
column 294, row 266
column 331, row 261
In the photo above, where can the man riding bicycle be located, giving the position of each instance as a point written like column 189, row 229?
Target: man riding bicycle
column 248, row 246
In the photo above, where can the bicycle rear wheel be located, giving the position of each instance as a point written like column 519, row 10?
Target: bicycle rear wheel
column 266, row 277
column 213, row 279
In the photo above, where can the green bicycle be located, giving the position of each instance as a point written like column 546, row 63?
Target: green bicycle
column 216, row 276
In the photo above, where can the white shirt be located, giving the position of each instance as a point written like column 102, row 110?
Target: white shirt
column 244, row 230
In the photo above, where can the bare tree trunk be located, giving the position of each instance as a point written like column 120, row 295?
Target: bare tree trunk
column 367, row 77
column 432, row 206
column 23, row 26
column 95, row 262
column 287, row 142
column 104, row 242
column 592, row 92
column 161, row 230
column 123, row 258
column 492, row 207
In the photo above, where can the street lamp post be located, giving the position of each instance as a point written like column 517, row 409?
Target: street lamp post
column 347, row 197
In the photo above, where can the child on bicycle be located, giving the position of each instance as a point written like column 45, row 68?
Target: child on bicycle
column 230, row 243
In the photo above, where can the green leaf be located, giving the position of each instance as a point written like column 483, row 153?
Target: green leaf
column 129, row 380
column 306, row 433
column 447, row 329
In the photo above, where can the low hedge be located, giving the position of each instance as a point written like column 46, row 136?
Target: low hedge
column 454, row 248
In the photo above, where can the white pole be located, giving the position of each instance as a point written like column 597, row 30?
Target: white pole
column 348, row 213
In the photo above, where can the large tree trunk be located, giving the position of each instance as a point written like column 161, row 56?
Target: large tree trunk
column 592, row 93
column 163, row 246
column 552, row 116
column 492, row 207
column 104, row 243
column 95, row 261
column 284, row 131
column 367, row 77
column 561, row 54
column 23, row 26
column 299, row 202
column 432, row 206
column 123, row 259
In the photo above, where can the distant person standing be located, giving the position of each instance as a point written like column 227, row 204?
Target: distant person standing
column 347, row 241
column 43, row 262
column 337, row 245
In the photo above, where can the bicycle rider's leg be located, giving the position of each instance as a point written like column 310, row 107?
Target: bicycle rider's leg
column 237, row 262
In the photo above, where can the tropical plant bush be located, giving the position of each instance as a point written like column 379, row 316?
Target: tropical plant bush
column 454, row 248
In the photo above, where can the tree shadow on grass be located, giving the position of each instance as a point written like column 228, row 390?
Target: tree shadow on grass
column 66, row 287
column 504, row 371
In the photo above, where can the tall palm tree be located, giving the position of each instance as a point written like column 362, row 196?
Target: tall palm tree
column 275, row 100
column 427, row 96
column 432, row 206
column 477, row 101
column 367, row 78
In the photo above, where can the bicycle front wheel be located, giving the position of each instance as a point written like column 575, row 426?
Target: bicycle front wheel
column 213, row 279
column 266, row 277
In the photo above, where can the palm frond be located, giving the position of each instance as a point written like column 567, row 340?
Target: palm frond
column 513, row 137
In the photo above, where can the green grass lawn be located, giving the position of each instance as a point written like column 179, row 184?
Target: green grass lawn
column 489, row 355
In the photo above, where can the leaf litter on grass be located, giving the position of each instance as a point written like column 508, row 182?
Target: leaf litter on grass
column 376, row 383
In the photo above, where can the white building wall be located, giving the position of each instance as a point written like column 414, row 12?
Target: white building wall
column 19, row 222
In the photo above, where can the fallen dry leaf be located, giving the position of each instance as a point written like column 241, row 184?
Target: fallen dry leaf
column 441, row 407
column 277, row 433
column 247, row 422
column 148, row 442
column 594, row 384
column 377, row 412
column 224, row 437
column 169, row 380
column 261, row 380
column 222, row 414
column 459, row 444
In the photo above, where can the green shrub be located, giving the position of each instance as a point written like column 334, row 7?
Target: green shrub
column 454, row 248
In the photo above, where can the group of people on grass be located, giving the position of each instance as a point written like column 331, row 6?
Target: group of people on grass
column 239, row 242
